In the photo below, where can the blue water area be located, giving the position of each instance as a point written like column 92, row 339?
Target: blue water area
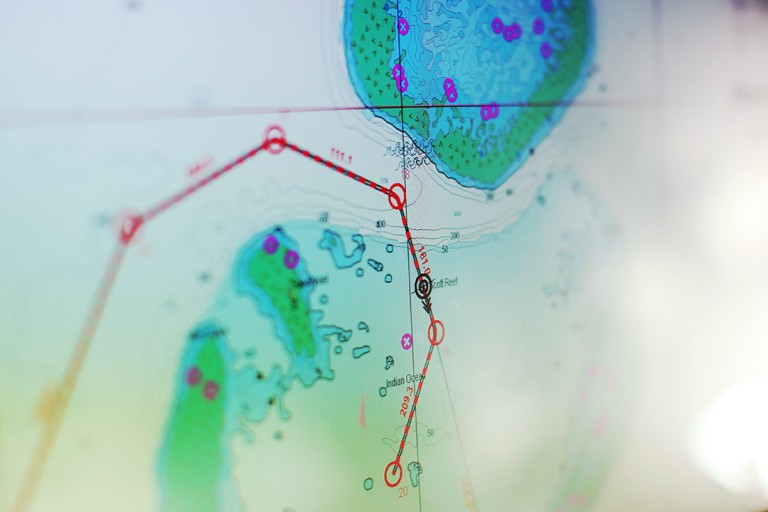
column 334, row 243
column 414, row 470
column 307, row 368
column 457, row 42
column 201, row 333
column 359, row 352
column 258, row 376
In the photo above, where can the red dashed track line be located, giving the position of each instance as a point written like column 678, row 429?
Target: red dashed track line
column 274, row 143
column 342, row 170
column 409, row 239
column 60, row 401
column 178, row 197
column 415, row 402
column 396, row 466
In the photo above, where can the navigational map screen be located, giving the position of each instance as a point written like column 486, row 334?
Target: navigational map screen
column 323, row 256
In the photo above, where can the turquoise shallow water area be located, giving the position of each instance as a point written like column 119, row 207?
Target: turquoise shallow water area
column 481, row 83
column 540, row 289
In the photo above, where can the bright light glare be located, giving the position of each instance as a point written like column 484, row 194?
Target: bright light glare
column 729, row 441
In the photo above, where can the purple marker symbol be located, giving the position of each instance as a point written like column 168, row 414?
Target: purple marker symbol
column 508, row 34
column 406, row 341
column 546, row 50
column 538, row 26
column 403, row 26
column 546, row 5
column 193, row 376
column 512, row 32
column 450, row 90
column 489, row 111
column 270, row 244
column 401, row 84
column 211, row 390
column 291, row 260
column 497, row 25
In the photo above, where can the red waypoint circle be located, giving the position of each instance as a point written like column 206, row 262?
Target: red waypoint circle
column 436, row 332
column 127, row 224
column 396, row 473
column 396, row 199
column 274, row 139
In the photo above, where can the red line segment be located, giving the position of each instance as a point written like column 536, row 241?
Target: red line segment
column 341, row 170
column 415, row 402
column 74, row 367
column 65, row 389
column 180, row 196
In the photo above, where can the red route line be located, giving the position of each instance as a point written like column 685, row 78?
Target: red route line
column 180, row 196
column 64, row 391
column 66, row 388
column 417, row 394
column 411, row 247
column 415, row 402
column 342, row 170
